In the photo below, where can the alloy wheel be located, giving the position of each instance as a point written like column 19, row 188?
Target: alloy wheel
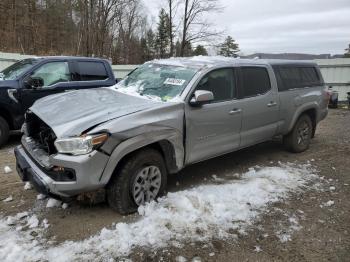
column 146, row 185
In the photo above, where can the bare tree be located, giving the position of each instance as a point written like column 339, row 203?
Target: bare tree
column 129, row 26
column 105, row 28
column 172, row 6
column 195, row 27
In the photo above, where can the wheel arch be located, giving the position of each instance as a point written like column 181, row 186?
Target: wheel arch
column 311, row 111
column 169, row 145
column 7, row 116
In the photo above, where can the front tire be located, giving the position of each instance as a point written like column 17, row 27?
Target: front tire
column 4, row 131
column 141, row 178
column 298, row 140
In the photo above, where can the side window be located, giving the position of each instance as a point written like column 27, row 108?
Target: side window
column 309, row 76
column 255, row 81
column 52, row 73
column 220, row 82
column 90, row 71
column 291, row 77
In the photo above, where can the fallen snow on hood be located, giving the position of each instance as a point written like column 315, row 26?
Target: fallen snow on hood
column 200, row 213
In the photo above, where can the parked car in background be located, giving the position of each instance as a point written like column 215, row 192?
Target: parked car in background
column 165, row 115
column 22, row 83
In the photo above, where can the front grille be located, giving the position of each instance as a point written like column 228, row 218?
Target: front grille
column 41, row 133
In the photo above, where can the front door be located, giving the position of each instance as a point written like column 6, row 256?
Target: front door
column 54, row 76
column 214, row 129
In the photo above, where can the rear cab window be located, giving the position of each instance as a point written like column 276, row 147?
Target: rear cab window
column 92, row 71
column 255, row 81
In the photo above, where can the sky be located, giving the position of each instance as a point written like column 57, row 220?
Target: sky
column 279, row 26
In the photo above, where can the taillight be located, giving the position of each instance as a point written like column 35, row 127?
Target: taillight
column 327, row 95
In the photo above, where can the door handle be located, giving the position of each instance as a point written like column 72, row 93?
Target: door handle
column 272, row 104
column 235, row 111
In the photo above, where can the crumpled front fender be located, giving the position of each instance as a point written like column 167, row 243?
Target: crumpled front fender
column 172, row 136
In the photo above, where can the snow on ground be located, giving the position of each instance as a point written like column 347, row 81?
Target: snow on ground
column 285, row 234
column 7, row 169
column 27, row 186
column 53, row 203
column 180, row 259
column 327, row 204
column 40, row 197
column 8, row 199
column 197, row 214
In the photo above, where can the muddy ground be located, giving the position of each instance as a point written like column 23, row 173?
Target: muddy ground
column 322, row 234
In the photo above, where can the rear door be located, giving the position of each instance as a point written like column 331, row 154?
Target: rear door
column 93, row 74
column 213, row 129
column 259, row 104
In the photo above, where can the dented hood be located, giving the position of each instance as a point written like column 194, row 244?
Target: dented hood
column 72, row 113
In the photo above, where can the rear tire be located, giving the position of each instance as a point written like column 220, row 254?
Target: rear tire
column 4, row 131
column 142, row 177
column 298, row 140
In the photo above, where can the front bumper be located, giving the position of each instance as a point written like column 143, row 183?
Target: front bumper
column 88, row 170
column 27, row 173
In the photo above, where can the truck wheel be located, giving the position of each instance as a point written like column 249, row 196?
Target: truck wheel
column 140, row 179
column 298, row 140
column 4, row 131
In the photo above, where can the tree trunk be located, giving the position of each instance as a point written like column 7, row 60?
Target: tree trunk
column 171, row 28
column 184, row 33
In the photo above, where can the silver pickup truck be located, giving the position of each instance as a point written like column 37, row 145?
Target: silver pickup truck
column 163, row 116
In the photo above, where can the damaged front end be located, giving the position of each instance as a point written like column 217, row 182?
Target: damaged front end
column 50, row 172
column 38, row 142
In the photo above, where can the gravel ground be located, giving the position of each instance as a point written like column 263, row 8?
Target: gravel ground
column 322, row 233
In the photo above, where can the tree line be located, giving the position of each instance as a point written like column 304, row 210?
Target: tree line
column 119, row 30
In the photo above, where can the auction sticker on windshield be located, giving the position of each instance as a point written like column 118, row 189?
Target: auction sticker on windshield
column 174, row 81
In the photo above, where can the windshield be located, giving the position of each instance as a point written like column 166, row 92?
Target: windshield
column 155, row 81
column 13, row 71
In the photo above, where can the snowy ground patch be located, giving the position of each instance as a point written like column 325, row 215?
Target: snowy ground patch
column 27, row 186
column 53, row 203
column 8, row 199
column 197, row 214
column 7, row 169
column 285, row 234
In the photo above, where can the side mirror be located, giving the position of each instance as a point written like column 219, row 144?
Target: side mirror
column 201, row 97
column 34, row 82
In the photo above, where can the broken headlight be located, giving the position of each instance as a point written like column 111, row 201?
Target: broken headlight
column 80, row 145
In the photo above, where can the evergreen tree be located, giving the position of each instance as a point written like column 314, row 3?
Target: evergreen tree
column 148, row 45
column 229, row 47
column 162, row 34
column 186, row 49
column 177, row 48
column 200, row 50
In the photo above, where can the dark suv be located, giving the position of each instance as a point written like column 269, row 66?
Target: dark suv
column 22, row 83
